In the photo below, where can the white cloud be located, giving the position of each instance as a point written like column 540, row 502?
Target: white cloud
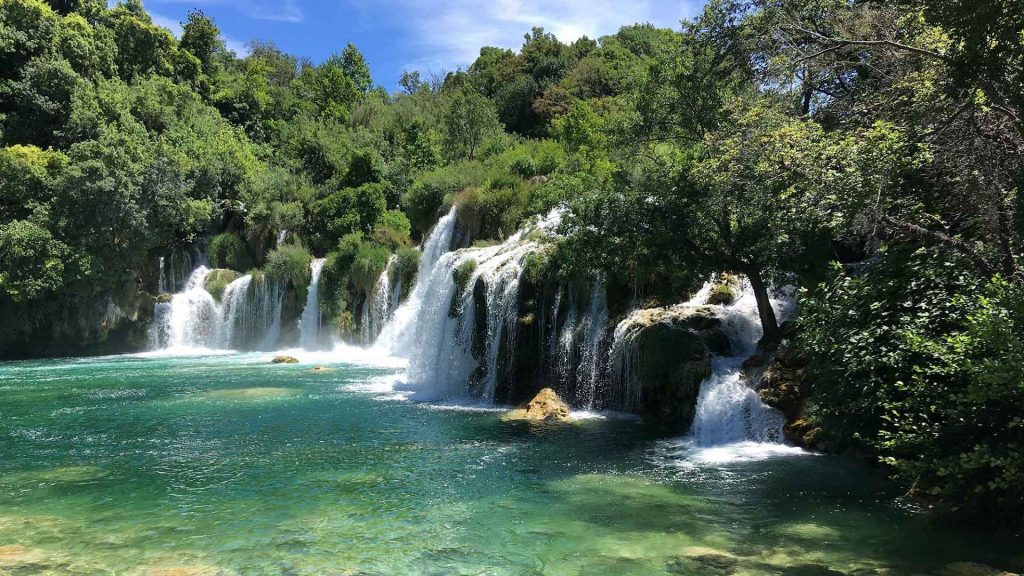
column 448, row 35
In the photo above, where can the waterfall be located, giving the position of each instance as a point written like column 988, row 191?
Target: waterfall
column 282, row 235
column 309, row 321
column 590, row 368
column 728, row 408
column 189, row 320
column 381, row 302
column 248, row 316
column 161, row 281
column 435, row 327
column 396, row 334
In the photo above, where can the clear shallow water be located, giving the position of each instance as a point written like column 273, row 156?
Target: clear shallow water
column 227, row 465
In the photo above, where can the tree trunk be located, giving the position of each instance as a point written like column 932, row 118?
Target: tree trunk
column 769, row 323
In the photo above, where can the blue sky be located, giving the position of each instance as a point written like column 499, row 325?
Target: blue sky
column 424, row 35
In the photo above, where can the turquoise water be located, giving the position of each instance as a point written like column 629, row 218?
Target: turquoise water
column 228, row 465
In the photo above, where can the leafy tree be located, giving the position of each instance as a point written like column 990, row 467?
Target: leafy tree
column 31, row 261
column 201, row 37
column 468, row 121
column 354, row 66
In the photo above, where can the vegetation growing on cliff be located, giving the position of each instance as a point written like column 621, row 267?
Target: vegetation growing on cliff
column 868, row 152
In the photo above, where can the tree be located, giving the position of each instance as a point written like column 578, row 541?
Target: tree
column 468, row 121
column 354, row 66
column 31, row 261
column 201, row 37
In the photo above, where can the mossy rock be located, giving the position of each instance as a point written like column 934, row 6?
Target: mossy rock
column 284, row 360
column 217, row 281
column 672, row 363
column 163, row 298
column 721, row 295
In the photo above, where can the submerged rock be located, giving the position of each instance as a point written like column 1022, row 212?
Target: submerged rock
column 545, row 406
column 189, row 570
column 321, row 369
column 243, row 394
column 284, row 360
column 973, row 569
column 703, row 560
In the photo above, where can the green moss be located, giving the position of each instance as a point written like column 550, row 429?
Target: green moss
column 217, row 280
column 463, row 274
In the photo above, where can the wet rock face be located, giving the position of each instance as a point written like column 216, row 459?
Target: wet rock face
column 673, row 357
column 783, row 387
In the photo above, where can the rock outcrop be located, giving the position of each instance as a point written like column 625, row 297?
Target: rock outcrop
column 284, row 360
column 546, row 406
column 217, row 280
column 665, row 355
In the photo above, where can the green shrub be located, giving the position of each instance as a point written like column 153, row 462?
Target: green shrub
column 407, row 264
column 463, row 273
column 392, row 230
column 217, row 281
column 369, row 262
column 289, row 264
column 917, row 363
column 345, row 211
column 229, row 251
column 426, row 196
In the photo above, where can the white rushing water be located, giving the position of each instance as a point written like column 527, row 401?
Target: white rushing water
column 435, row 327
column 248, row 316
column 729, row 410
column 309, row 321
column 730, row 423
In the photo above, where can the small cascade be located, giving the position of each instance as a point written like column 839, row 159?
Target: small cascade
column 189, row 320
column 590, row 367
column 161, row 280
column 728, row 407
column 282, row 235
column 577, row 365
column 309, row 321
column 396, row 335
column 437, row 327
column 381, row 302
column 248, row 316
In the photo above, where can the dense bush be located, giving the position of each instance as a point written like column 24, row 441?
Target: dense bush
column 228, row 250
column 917, row 362
column 289, row 264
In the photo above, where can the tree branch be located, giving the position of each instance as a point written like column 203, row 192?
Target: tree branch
column 956, row 244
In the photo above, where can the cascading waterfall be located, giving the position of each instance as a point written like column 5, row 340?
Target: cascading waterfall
column 309, row 321
column 248, row 316
column 395, row 338
column 381, row 302
column 728, row 408
column 435, row 327
column 189, row 320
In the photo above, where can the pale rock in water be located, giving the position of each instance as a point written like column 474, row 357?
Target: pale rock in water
column 545, row 406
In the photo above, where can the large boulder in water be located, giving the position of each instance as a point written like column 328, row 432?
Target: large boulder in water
column 282, row 359
column 672, row 350
column 545, row 406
